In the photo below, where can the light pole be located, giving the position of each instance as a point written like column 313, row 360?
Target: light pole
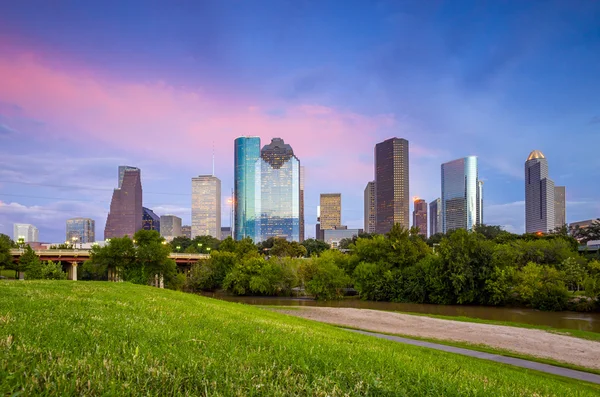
column 74, row 239
column 200, row 247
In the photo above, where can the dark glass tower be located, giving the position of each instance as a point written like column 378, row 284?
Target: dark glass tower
column 247, row 154
column 391, row 180
column 150, row 221
column 125, row 215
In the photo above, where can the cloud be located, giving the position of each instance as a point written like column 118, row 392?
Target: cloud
column 6, row 130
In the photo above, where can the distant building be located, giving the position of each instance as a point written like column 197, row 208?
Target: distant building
column 334, row 236
column 206, row 206
column 435, row 217
column 125, row 214
column 420, row 216
column 246, row 180
column 302, row 176
column 170, row 227
column 560, row 206
column 370, row 208
column 391, row 180
column 582, row 224
column 150, row 221
column 25, row 231
column 81, row 230
column 539, row 195
column 462, row 201
column 331, row 210
column 225, row 232
column 186, row 231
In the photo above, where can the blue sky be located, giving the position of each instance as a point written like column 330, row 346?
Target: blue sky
column 87, row 86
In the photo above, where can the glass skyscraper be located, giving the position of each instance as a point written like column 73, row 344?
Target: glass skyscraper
column 246, row 156
column 150, row 221
column 462, row 195
column 81, row 230
column 435, row 217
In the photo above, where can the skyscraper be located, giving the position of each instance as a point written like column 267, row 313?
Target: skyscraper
column 125, row 215
column 170, row 227
column 122, row 169
column 25, row 231
column 391, row 179
column 186, row 231
column 370, row 208
column 206, row 206
column 560, row 207
column 246, row 180
column 302, row 176
column 331, row 210
column 278, row 201
column 435, row 217
column 539, row 195
column 420, row 216
column 462, row 195
column 81, row 230
column 150, row 221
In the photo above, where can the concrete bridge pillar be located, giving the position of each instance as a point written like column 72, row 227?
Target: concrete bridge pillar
column 73, row 272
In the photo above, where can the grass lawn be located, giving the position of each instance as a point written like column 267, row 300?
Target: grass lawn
column 67, row 338
column 7, row 273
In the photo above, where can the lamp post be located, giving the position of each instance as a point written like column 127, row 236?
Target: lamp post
column 74, row 239
column 200, row 247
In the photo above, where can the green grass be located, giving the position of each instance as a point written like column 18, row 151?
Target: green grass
column 74, row 338
column 7, row 273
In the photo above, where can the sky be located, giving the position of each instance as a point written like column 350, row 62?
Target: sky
column 88, row 86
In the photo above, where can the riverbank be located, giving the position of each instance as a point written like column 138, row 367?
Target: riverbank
column 530, row 342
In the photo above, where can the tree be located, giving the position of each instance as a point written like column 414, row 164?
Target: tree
column 151, row 259
column 180, row 244
column 46, row 271
column 322, row 278
column 208, row 274
column 314, row 247
column 344, row 243
column 27, row 260
column 118, row 254
column 541, row 287
column 589, row 233
column 575, row 273
column 490, row 232
column 281, row 247
column 6, row 244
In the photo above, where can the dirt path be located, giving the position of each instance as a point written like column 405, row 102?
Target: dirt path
column 539, row 343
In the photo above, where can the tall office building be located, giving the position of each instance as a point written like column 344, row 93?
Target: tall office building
column 462, row 195
column 435, row 217
column 170, row 227
column 391, row 179
column 122, row 169
column 125, row 215
column 246, row 180
column 81, row 230
column 186, row 231
column 560, row 206
column 331, row 211
column 539, row 195
column 420, row 216
column 150, row 221
column 278, row 201
column 302, row 176
column 206, row 206
column 370, row 208
column 25, row 231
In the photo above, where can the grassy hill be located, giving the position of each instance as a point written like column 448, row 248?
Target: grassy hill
column 68, row 338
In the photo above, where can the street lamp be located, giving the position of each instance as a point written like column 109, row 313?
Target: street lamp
column 200, row 247
column 208, row 249
column 74, row 239
column 178, row 248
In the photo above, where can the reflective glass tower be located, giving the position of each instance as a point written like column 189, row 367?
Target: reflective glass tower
column 150, row 221
column 435, row 217
column 278, row 192
column 81, row 230
column 462, row 195
column 246, row 178
column 539, row 195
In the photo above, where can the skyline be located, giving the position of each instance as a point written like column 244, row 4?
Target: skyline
column 83, row 99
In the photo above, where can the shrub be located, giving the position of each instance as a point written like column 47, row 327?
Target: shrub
column 542, row 287
column 46, row 271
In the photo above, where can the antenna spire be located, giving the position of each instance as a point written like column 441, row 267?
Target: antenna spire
column 213, row 159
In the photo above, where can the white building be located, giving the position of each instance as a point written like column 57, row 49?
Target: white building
column 25, row 231
column 170, row 227
column 206, row 206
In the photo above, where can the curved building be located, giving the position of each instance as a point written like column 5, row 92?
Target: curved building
column 462, row 195
column 539, row 194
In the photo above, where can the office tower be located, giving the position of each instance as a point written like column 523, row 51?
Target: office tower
column 370, row 208
column 186, row 231
column 391, row 179
column 170, row 227
column 334, row 236
column 81, row 230
column 125, row 215
column 28, row 233
column 461, row 194
column 435, row 217
column 150, row 221
column 331, row 210
column 225, row 232
column 539, row 195
column 246, row 180
column 420, row 216
column 206, row 206
column 279, row 195
column 122, row 169
column 302, row 176
column 560, row 207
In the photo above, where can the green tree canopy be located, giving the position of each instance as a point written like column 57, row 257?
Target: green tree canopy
column 5, row 256
column 314, row 246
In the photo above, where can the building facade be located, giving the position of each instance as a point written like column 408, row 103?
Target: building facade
column 278, row 200
column 81, row 230
column 370, row 208
column 334, row 236
column 225, row 232
column 186, row 231
column 420, row 216
column 302, row 176
column 206, row 206
column 28, row 233
column 539, row 195
column 170, row 227
column 330, row 210
column 246, row 186
column 391, row 180
column 462, row 195
column 435, row 217
column 125, row 215
column 150, row 221
column 560, row 206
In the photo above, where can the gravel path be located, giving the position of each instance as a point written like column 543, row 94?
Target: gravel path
column 534, row 342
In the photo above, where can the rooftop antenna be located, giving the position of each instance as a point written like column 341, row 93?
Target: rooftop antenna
column 213, row 159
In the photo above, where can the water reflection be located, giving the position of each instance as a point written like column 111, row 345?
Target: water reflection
column 566, row 320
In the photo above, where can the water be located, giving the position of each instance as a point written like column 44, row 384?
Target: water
column 565, row 320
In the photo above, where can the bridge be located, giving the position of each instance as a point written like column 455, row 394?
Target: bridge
column 72, row 258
